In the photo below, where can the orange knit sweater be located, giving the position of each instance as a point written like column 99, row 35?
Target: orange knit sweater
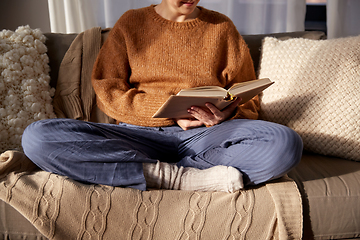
column 147, row 58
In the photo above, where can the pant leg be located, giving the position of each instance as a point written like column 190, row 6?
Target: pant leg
column 261, row 150
column 94, row 153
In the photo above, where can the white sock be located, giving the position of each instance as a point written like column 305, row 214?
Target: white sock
column 162, row 175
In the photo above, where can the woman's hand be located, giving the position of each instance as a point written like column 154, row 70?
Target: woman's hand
column 208, row 116
column 188, row 123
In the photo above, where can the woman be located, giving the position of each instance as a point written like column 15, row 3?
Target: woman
column 150, row 54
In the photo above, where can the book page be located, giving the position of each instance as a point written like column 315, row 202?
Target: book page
column 249, row 85
column 208, row 91
column 177, row 106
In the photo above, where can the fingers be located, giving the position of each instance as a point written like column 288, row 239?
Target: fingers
column 208, row 116
column 211, row 115
column 187, row 124
column 214, row 110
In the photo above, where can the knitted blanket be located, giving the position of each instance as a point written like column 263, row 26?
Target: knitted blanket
column 61, row 208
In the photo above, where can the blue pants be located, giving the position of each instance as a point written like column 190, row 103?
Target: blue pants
column 113, row 154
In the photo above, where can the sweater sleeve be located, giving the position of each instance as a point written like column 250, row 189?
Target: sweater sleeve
column 116, row 96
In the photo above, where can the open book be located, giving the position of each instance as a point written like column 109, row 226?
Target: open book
column 177, row 105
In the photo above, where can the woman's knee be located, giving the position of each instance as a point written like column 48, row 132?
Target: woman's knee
column 32, row 133
column 293, row 145
column 288, row 148
column 36, row 135
column 280, row 151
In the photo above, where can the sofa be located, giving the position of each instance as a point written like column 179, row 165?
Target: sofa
column 318, row 199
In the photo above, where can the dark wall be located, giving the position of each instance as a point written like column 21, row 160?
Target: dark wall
column 14, row 13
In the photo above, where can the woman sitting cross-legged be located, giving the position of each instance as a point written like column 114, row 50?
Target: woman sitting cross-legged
column 150, row 54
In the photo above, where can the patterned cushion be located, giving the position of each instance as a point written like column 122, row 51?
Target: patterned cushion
column 316, row 92
column 25, row 95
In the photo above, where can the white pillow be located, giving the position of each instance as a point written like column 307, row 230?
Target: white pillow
column 316, row 92
column 25, row 94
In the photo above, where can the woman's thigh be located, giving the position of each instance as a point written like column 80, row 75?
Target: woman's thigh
column 260, row 150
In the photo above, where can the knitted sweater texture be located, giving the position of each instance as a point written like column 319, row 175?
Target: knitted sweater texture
column 147, row 58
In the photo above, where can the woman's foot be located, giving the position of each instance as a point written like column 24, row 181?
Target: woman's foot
column 162, row 175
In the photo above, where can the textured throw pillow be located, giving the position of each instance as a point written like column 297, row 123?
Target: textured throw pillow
column 25, row 95
column 316, row 92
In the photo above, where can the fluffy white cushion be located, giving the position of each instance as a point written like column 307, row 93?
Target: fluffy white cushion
column 316, row 92
column 25, row 95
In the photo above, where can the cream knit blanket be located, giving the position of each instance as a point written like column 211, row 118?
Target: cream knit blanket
column 61, row 208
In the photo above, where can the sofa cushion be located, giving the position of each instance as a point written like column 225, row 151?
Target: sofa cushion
column 25, row 95
column 316, row 92
column 254, row 41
